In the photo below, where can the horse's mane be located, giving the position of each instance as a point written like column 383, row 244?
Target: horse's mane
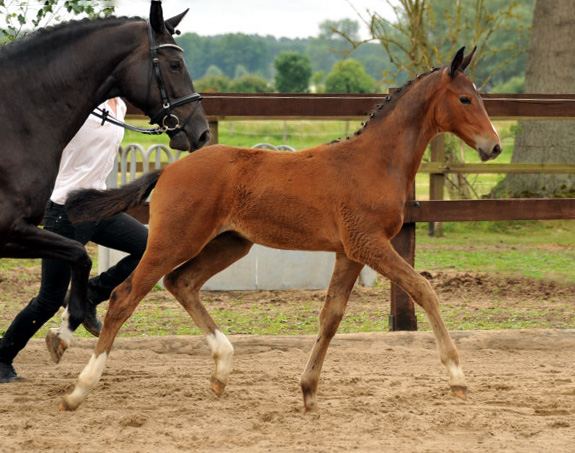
column 70, row 30
column 389, row 102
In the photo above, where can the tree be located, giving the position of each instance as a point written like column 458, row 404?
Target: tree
column 213, row 71
column 212, row 84
column 22, row 16
column 349, row 76
column 550, row 64
column 293, row 72
column 240, row 72
column 230, row 50
column 250, row 83
column 427, row 32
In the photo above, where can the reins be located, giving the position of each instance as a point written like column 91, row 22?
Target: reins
column 165, row 115
column 105, row 116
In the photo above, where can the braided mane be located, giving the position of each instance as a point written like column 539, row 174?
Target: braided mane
column 389, row 102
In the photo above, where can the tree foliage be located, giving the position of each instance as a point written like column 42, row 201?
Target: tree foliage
column 349, row 77
column 250, row 83
column 293, row 72
column 21, row 16
column 428, row 32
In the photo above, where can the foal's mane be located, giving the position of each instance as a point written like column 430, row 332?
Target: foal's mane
column 65, row 31
column 389, row 102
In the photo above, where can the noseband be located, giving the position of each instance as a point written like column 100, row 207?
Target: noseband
column 167, row 120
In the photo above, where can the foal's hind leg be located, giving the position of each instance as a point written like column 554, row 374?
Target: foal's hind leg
column 123, row 301
column 343, row 278
column 185, row 283
column 385, row 260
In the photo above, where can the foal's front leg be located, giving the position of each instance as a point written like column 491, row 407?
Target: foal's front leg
column 343, row 278
column 384, row 259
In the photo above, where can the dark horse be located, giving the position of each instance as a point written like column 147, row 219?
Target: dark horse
column 50, row 81
column 346, row 197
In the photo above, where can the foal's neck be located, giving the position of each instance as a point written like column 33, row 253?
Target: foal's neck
column 400, row 129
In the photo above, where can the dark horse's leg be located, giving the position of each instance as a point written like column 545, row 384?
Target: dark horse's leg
column 29, row 241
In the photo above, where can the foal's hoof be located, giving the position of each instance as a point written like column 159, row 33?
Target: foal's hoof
column 65, row 405
column 459, row 391
column 217, row 386
column 56, row 346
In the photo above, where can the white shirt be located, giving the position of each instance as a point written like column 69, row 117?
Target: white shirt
column 89, row 157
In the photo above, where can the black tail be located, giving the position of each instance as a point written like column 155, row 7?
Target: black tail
column 91, row 204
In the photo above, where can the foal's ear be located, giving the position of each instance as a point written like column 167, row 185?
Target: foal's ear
column 467, row 59
column 157, row 16
column 456, row 63
column 173, row 22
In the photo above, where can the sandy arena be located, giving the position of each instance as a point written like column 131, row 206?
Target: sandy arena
column 379, row 392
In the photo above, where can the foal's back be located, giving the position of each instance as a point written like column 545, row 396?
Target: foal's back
column 279, row 199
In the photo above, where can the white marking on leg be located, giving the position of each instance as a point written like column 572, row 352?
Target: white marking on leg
column 64, row 332
column 456, row 376
column 87, row 380
column 223, row 353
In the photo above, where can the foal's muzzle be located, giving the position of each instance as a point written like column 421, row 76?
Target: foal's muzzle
column 491, row 153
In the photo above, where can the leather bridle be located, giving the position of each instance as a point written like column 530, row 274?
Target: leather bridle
column 167, row 120
column 164, row 115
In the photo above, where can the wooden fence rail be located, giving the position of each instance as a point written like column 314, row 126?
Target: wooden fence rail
column 232, row 106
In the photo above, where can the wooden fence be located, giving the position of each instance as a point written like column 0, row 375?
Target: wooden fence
column 226, row 106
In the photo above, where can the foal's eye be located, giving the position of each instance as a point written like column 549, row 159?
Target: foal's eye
column 175, row 65
column 465, row 100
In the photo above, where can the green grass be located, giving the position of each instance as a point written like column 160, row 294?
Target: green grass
column 540, row 250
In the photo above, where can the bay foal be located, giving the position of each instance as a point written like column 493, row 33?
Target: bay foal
column 347, row 197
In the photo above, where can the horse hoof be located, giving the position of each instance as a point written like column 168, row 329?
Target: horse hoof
column 218, row 386
column 56, row 346
column 65, row 405
column 312, row 410
column 459, row 391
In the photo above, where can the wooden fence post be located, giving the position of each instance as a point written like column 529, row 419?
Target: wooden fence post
column 402, row 313
column 214, row 131
column 402, row 316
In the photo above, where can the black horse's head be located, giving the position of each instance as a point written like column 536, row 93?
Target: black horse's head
column 159, row 83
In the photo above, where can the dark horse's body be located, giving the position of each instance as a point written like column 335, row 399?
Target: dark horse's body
column 50, row 81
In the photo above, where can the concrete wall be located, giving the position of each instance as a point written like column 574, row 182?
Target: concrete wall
column 266, row 268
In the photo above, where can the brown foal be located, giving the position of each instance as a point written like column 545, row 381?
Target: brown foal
column 346, row 197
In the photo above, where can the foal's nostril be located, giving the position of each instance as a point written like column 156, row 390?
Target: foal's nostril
column 497, row 150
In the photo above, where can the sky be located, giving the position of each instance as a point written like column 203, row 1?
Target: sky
column 280, row 18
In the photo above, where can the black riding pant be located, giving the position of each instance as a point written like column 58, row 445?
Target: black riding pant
column 121, row 232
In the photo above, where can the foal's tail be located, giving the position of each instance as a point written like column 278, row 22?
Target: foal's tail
column 91, row 204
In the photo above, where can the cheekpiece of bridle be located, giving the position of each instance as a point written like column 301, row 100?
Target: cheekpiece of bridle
column 165, row 116
column 166, row 120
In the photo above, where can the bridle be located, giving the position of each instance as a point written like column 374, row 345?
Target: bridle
column 165, row 116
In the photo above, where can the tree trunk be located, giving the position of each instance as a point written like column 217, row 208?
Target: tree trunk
column 550, row 70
